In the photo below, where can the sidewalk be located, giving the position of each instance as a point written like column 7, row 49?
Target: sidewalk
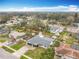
column 17, row 53
column 21, row 51
column 3, row 44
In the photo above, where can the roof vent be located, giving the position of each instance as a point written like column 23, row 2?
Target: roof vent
column 40, row 34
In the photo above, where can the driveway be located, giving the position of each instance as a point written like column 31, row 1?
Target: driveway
column 21, row 51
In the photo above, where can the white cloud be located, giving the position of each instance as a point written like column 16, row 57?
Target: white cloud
column 70, row 8
column 73, row 8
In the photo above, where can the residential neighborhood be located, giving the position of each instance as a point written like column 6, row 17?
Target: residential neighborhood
column 31, row 38
column 39, row 29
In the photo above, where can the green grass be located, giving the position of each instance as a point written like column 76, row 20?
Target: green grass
column 18, row 45
column 7, row 49
column 64, row 33
column 70, row 41
column 22, row 57
column 48, row 33
column 2, row 39
column 35, row 54
column 3, row 35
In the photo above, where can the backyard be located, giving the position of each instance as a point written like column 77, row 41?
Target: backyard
column 3, row 39
column 35, row 54
column 7, row 49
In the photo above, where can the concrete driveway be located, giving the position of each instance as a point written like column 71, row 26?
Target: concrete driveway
column 21, row 51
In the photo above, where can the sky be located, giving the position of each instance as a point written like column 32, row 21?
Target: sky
column 40, row 5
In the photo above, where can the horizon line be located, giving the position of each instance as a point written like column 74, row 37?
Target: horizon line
column 59, row 8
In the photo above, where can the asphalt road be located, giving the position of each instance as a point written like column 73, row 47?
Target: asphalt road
column 6, row 55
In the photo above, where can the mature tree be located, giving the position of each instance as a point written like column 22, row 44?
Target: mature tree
column 56, row 43
column 48, row 54
column 76, row 17
column 4, row 19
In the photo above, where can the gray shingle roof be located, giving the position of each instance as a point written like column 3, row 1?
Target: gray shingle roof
column 75, row 46
column 3, row 30
column 56, row 29
column 44, row 41
column 77, row 36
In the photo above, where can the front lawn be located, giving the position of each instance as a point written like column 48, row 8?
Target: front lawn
column 7, row 49
column 3, row 39
column 64, row 33
column 18, row 45
column 22, row 57
column 36, row 53
column 70, row 41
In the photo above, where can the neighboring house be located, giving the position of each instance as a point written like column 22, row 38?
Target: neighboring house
column 76, row 25
column 16, row 35
column 77, row 36
column 1, row 25
column 67, row 52
column 29, row 17
column 45, row 22
column 73, row 29
column 14, row 21
column 56, row 29
column 4, row 30
column 11, row 22
column 40, row 41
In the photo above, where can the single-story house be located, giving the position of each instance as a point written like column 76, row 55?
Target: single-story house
column 1, row 25
column 11, row 22
column 16, row 35
column 4, row 30
column 14, row 21
column 40, row 41
column 77, row 36
column 73, row 29
column 76, row 25
column 56, row 29
column 67, row 52
column 75, row 46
